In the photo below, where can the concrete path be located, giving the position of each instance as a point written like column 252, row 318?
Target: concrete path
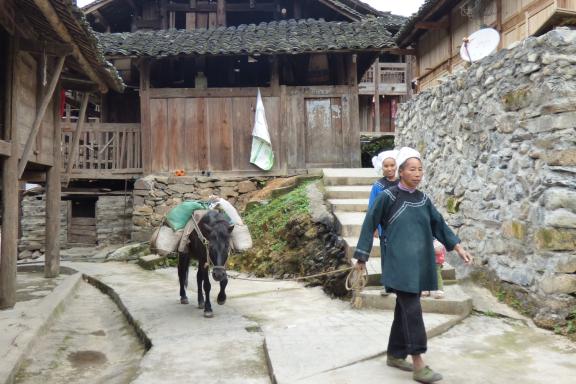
column 306, row 332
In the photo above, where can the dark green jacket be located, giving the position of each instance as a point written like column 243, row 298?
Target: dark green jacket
column 407, row 251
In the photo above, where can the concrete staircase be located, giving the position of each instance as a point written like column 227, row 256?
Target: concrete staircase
column 347, row 191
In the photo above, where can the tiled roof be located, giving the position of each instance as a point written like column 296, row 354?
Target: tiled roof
column 80, row 31
column 283, row 37
column 412, row 20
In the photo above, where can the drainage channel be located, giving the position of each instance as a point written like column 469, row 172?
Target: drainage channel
column 91, row 341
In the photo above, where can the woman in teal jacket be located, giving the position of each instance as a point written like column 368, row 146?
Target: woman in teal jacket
column 411, row 223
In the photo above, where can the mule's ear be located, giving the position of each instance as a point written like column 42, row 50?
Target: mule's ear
column 230, row 228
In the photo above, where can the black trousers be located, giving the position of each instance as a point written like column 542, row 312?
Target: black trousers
column 408, row 334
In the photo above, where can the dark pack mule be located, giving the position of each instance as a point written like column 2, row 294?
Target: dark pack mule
column 216, row 231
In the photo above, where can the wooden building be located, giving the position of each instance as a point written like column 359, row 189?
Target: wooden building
column 193, row 69
column 44, row 45
column 437, row 29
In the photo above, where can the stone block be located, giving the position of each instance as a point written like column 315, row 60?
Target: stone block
column 143, row 210
column 560, row 218
column 151, row 261
column 556, row 239
column 514, row 229
column 567, row 265
column 559, row 283
column 162, row 209
column 228, row 192
column 560, row 198
column 246, row 186
column 562, row 158
column 183, row 188
column 144, row 184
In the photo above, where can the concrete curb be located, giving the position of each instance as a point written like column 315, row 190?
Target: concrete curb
column 113, row 295
column 42, row 316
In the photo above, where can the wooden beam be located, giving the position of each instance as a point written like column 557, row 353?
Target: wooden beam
column 44, row 47
column 76, row 138
column 40, row 115
column 265, row 7
column 377, row 95
column 201, row 6
column 430, row 12
column 10, row 201
column 432, row 24
column 339, row 10
column 5, row 148
column 221, row 13
column 146, row 130
column 59, row 27
column 53, row 196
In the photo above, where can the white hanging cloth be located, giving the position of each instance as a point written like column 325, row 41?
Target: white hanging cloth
column 261, row 155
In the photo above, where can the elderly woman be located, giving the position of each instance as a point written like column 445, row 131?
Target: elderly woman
column 384, row 163
column 411, row 223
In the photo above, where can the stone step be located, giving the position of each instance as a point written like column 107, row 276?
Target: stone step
column 455, row 301
column 351, row 247
column 350, row 223
column 348, row 191
column 349, row 176
column 348, row 205
column 374, row 267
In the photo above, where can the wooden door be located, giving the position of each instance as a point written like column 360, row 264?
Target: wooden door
column 324, row 139
column 82, row 222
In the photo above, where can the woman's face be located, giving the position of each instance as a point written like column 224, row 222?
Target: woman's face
column 389, row 168
column 411, row 173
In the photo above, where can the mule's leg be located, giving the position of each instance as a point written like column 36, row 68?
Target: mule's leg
column 183, row 265
column 207, row 287
column 222, row 295
column 199, row 279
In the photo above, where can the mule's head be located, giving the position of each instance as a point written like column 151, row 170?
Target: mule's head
column 217, row 230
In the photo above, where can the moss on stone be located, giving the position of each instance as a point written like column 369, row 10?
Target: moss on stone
column 453, row 205
column 514, row 229
column 517, row 99
column 556, row 239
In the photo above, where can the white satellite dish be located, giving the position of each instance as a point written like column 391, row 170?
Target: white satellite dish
column 479, row 44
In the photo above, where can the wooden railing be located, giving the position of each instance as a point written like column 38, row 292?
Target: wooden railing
column 104, row 151
column 392, row 80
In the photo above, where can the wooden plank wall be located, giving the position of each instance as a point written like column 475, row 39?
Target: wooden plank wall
column 215, row 132
column 30, row 90
column 439, row 50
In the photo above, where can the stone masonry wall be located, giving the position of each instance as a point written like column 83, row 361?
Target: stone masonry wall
column 112, row 225
column 154, row 196
column 113, row 219
column 499, row 148
column 33, row 225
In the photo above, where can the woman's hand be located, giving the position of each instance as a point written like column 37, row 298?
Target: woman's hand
column 360, row 265
column 465, row 255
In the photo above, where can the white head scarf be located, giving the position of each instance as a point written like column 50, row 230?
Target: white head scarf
column 378, row 160
column 404, row 154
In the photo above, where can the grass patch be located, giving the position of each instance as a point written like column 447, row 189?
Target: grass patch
column 269, row 219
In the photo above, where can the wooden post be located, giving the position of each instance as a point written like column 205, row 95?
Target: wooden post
column 354, row 139
column 10, row 202
column 76, row 137
column 145, row 129
column 274, row 75
column 40, row 115
column 53, row 194
column 377, row 127
column 221, row 13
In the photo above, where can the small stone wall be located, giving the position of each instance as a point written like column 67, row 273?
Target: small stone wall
column 113, row 219
column 113, row 223
column 154, row 196
column 499, row 147
column 32, row 243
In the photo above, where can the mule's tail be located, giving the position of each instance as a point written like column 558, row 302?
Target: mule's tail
column 183, row 264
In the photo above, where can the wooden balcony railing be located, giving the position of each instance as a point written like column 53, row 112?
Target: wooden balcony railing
column 105, row 150
column 392, row 80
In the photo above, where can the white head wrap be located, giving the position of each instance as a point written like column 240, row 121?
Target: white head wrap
column 404, row 154
column 378, row 160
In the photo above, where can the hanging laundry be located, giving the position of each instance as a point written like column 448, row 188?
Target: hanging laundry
column 261, row 155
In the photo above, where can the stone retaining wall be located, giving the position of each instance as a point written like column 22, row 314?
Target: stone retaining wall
column 154, row 196
column 113, row 219
column 32, row 243
column 499, row 147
